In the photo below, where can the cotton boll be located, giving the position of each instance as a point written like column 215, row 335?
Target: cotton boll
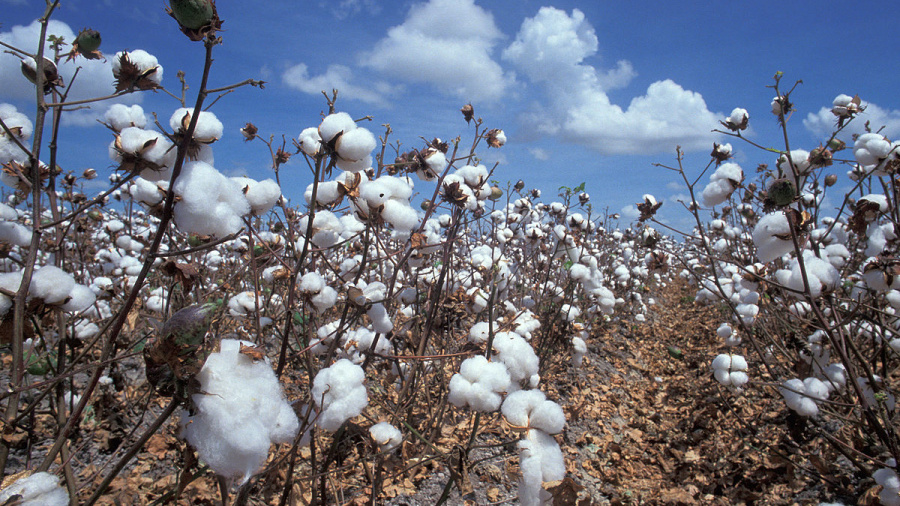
column 801, row 396
column 51, row 284
column 722, row 184
column 479, row 333
column 261, row 195
column 80, row 298
column 730, row 370
column 381, row 322
column 147, row 67
column 772, row 236
column 334, row 124
column 355, row 144
column 38, row 489
column 208, row 128
column 15, row 234
column 121, row 116
column 400, row 215
column 211, row 204
column 239, row 413
column 354, row 166
column 478, row 384
column 310, row 141
column 340, row 393
column 518, row 356
column 531, row 409
column 386, row 436
column 540, row 460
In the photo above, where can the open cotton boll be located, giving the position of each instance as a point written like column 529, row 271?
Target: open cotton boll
column 386, row 436
column 340, row 393
column 802, row 396
column 800, row 160
column 479, row 333
column 479, row 384
column 540, row 460
column 208, row 128
column 870, row 393
column 38, row 489
column 121, row 116
column 821, row 276
column 772, row 236
column 51, row 284
column 17, row 122
column 310, row 141
column 530, row 408
column 80, row 298
column 333, row 124
column 517, row 354
column 261, row 195
column 211, row 204
column 15, row 234
column 730, row 370
column 327, row 229
column 238, row 414
column 146, row 65
column 355, row 144
column 722, row 183
column 149, row 150
column 381, row 322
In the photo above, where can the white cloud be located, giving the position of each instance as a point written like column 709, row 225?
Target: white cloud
column 337, row 77
column 823, row 123
column 675, row 186
column 95, row 79
column 629, row 213
column 550, row 49
column 347, row 8
column 445, row 43
column 539, row 154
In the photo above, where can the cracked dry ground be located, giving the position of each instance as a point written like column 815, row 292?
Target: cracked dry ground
column 644, row 427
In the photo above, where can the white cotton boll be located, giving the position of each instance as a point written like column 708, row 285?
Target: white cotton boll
column 244, row 303
column 311, row 282
column 327, row 193
column 738, row 116
column 579, row 348
column 51, row 284
column 730, row 370
column 479, row 384
column 16, row 122
column 354, row 166
column 38, row 489
column 207, row 129
column 149, row 146
column 800, row 160
column 386, row 436
column 569, row 312
column 144, row 61
column 80, row 298
column 333, row 124
column 340, row 393
column 517, row 354
column 240, row 412
column 325, row 299
column 724, row 331
column 121, row 116
column 261, row 195
column 869, row 392
column 436, row 162
column 381, row 322
column 355, row 144
column 768, row 237
column 400, row 215
column 836, row 376
column 722, row 184
column 310, row 141
column 801, row 396
column 211, row 204
column 541, row 460
column 15, row 234
column 531, row 409
column 479, row 333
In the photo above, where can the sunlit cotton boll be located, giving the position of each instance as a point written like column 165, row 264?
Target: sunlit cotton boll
column 145, row 63
column 340, row 393
column 772, row 236
column 531, row 409
column 386, row 436
column 261, row 195
column 208, row 128
column 121, row 116
column 519, row 357
column 239, row 413
column 722, row 184
column 478, row 384
column 310, row 141
column 211, row 204
column 730, row 370
column 540, row 460
column 38, row 489
column 821, row 276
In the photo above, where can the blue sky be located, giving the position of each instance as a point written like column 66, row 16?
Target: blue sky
column 586, row 91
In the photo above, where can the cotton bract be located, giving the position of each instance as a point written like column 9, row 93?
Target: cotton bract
column 239, row 413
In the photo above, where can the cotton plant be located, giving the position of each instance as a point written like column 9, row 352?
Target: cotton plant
column 386, row 436
column 36, row 489
column 804, row 396
column 239, row 412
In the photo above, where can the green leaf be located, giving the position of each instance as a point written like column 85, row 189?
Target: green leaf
column 675, row 352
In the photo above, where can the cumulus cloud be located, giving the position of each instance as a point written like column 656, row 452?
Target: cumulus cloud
column 95, row 79
column 447, row 44
column 337, row 77
column 347, row 8
column 629, row 213
column 823, row 123
column 550, row 50
column 539, row 154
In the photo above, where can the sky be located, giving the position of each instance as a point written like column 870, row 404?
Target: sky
column 593, row 92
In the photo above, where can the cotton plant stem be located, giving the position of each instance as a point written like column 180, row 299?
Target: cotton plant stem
column 122, row 316
column 17, row 374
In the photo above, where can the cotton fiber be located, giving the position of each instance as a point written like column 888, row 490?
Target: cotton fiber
column 239, row 412
column 38, row 489
column 340, row 393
